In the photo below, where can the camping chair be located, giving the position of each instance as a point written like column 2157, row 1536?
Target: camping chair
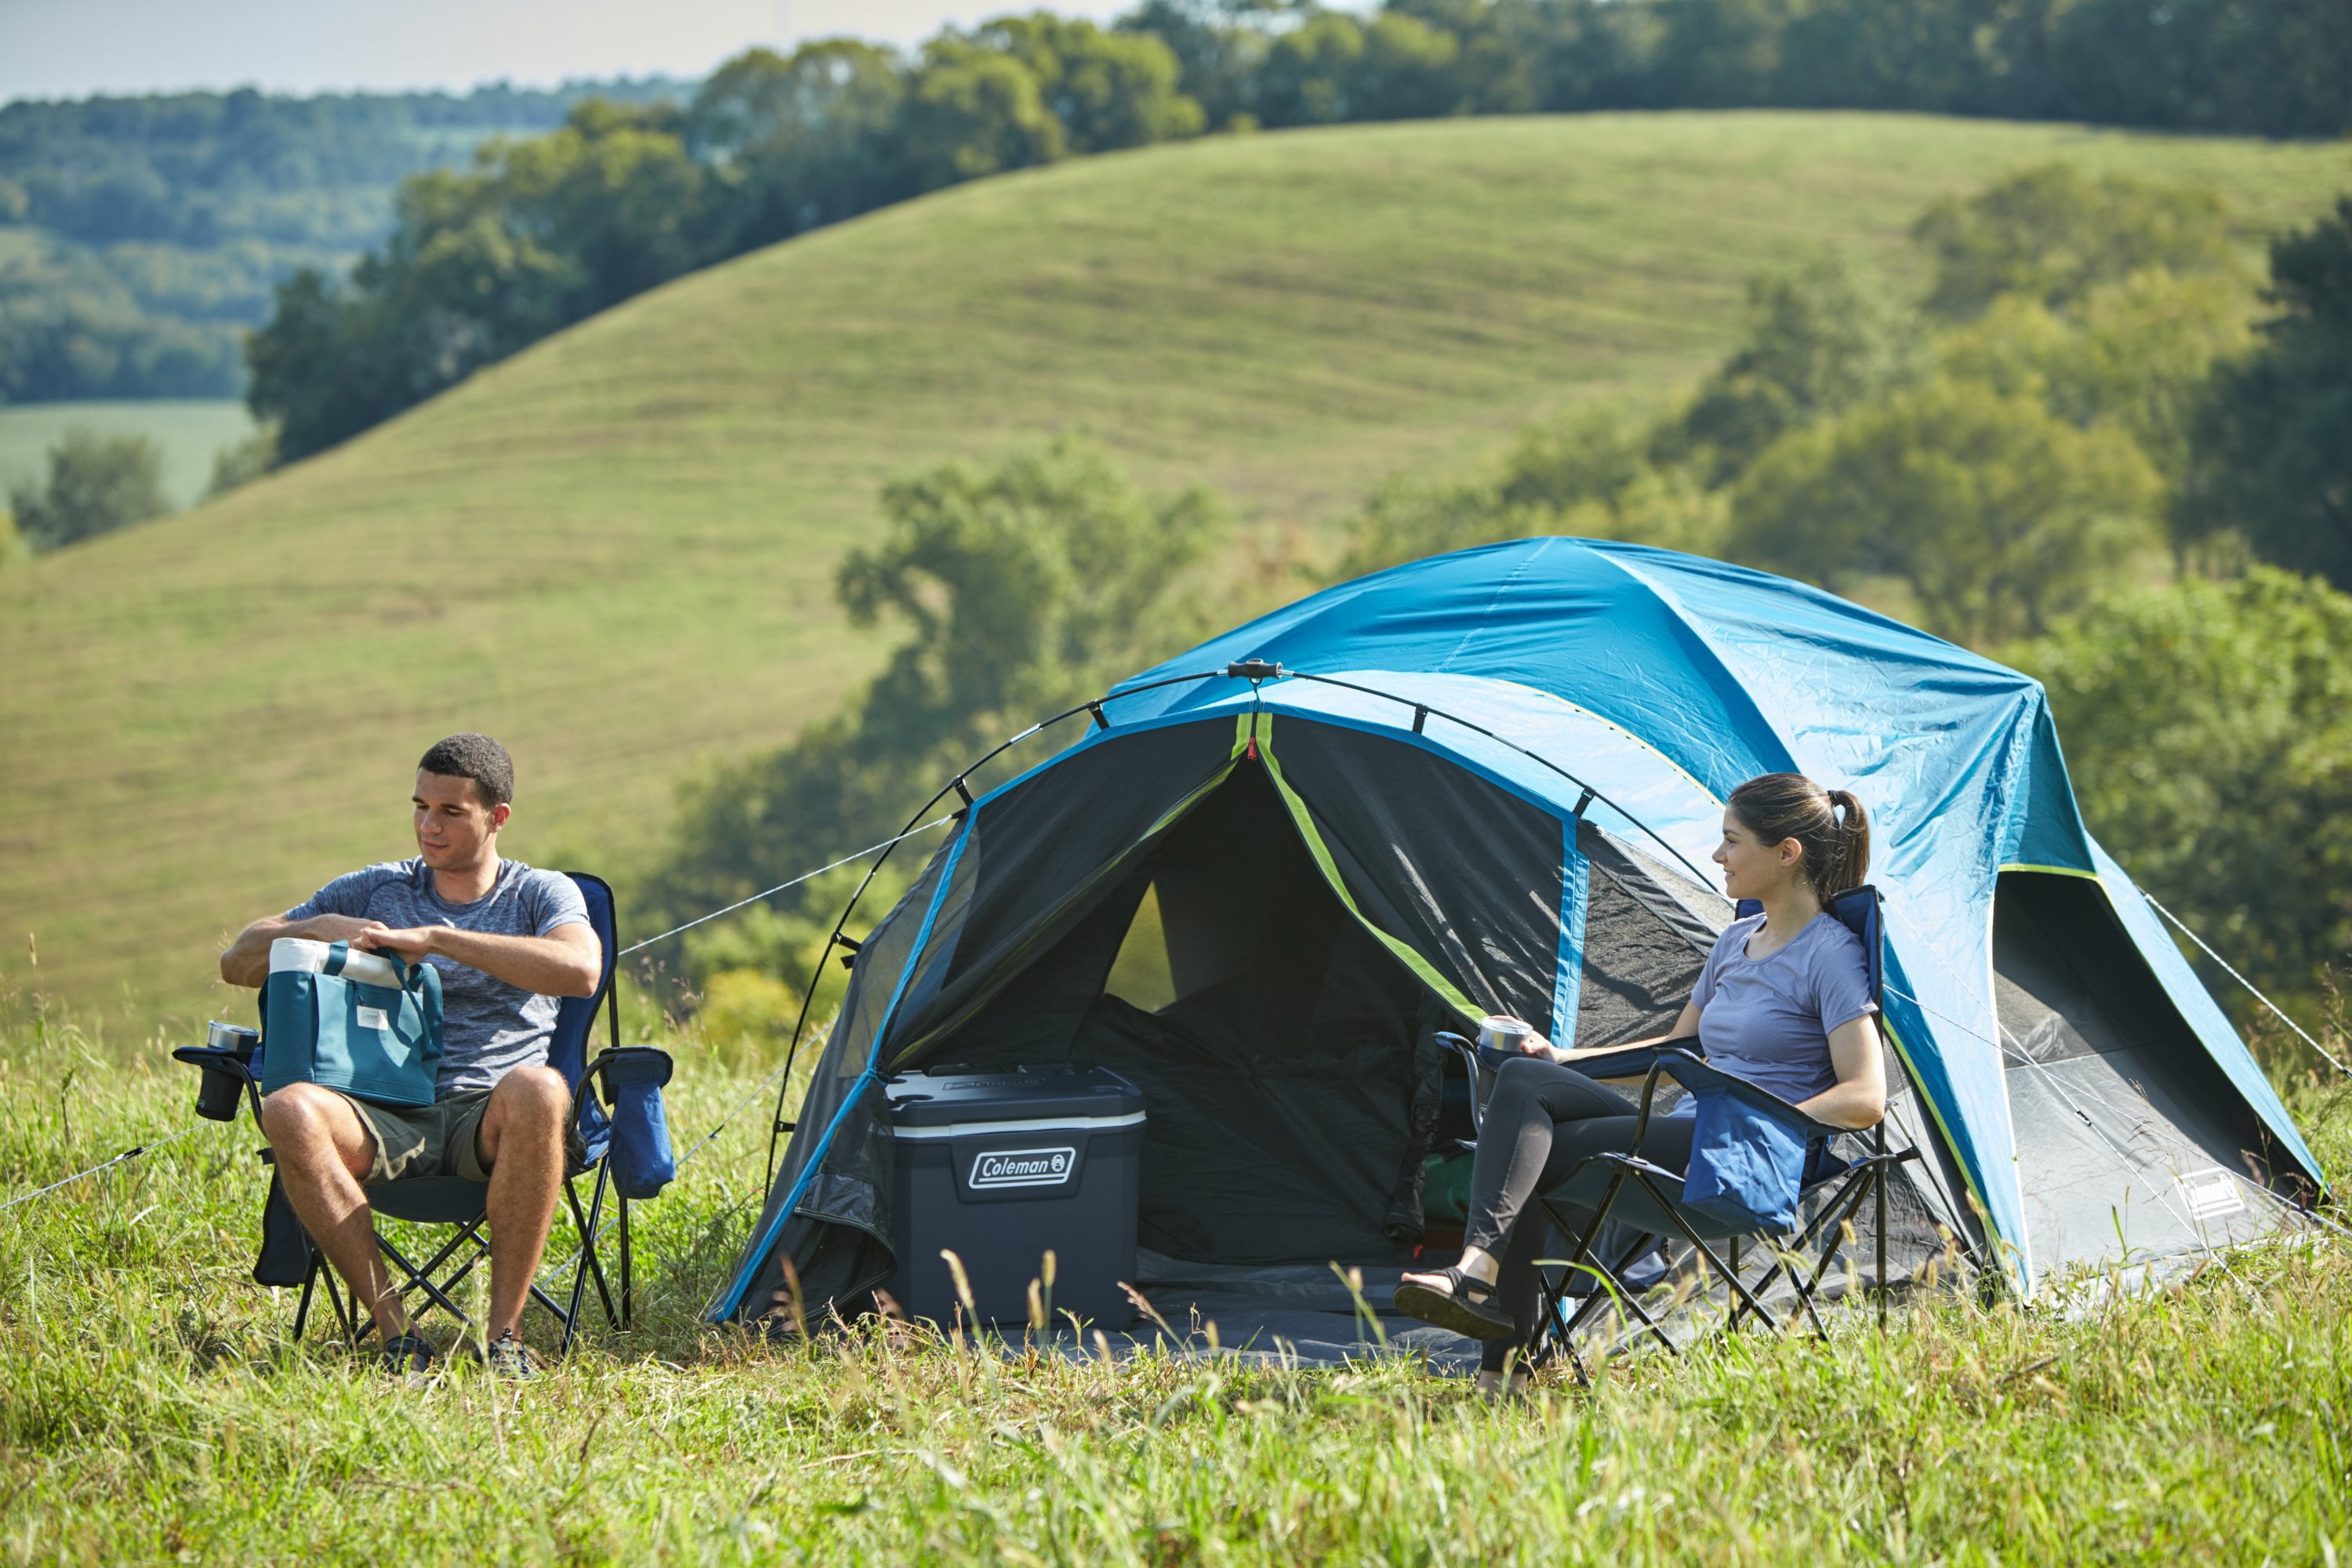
column 1643, row 1200
column 630, row 1078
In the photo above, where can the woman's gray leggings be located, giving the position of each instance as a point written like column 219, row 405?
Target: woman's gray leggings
column 1542, row 1121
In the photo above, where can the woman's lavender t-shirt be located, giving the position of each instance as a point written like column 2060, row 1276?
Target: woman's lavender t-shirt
column 1769, row 1019
column 488, row 1026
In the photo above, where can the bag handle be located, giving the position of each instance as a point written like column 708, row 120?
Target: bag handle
column 338, row 952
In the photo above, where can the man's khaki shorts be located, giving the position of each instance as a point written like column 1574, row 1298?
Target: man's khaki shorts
column 442, row 1139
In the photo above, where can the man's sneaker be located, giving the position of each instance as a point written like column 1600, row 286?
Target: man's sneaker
column 508, row 1356
column 409, row 1358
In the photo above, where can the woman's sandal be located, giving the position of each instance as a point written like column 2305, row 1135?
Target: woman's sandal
column 1468, row 1306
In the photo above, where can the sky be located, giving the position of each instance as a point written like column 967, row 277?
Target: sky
column 72, row 48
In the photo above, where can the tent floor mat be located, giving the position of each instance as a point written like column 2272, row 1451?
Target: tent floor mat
column 1265, row 1333
column 1295, row 1314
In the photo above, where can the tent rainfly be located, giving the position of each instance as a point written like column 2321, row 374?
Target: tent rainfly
column 1490, row 781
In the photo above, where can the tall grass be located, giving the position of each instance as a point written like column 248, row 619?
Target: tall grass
column 151, row 1407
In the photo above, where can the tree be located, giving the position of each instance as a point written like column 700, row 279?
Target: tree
column 2208, row 729
column 2274, row 442
column 973, row 111
column 1719, row 54
column 96, row 485
column 1023, row 587
column 802, row 141
column 2136, row 355
column 1996, row 513
column 2053, row 233
column 542, row 233
column 1109, row 90
column 1821, row 340
column 1310, row 70
column 1218, row 50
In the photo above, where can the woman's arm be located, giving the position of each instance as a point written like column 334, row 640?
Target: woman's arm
column 1859, row 1097
column 1686, row 1026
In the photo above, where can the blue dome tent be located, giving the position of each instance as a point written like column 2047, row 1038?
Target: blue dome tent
column 1490, row 781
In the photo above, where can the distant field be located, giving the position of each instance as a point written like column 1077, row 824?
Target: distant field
column 190, row 431
column 616, row 550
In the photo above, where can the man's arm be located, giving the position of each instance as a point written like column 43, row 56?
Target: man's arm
column 567, row 962
column 246, row 961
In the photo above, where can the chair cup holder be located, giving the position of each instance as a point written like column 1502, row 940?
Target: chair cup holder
column 226, row 1070
column 217, row 1095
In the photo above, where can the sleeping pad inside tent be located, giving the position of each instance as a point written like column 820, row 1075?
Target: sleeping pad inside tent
column 1256, row 899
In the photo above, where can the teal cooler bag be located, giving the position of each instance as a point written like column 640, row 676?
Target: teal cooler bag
column 373, row 1042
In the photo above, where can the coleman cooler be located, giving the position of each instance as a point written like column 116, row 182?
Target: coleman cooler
column 1001, row 1166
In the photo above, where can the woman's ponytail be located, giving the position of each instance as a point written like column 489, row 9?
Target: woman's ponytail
column 1848, row 863
column 1831, row 824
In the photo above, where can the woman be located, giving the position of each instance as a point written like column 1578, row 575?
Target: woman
column 1783, row 1001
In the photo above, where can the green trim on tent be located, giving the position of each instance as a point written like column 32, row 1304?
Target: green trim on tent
column 914, row 1049
column 2051, row 870
column 1305, row 822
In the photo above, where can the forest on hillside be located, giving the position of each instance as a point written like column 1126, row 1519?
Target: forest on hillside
column 547, row 232
column 142, row 238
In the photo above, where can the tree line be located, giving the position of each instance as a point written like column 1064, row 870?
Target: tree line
column 543, row 232
column 147, row 234
column 2095, row 451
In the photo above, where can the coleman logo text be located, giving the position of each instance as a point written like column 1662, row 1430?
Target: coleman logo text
column 1023, row 1167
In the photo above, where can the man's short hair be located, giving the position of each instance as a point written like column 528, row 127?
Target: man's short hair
column 475, row 757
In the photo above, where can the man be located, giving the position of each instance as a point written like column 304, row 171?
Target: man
column 508, row 941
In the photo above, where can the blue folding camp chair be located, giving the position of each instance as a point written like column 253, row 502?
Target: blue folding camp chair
column 630, row 1117
column 1636, row 1204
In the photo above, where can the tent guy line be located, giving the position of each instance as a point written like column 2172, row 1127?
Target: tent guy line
column 130, row 1153
column 796, row 881
column 2241, row 980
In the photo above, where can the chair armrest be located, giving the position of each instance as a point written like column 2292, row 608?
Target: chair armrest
column 212, row 1059
column 1699, row 1077
column 630, row 1064
column 1632, row 1061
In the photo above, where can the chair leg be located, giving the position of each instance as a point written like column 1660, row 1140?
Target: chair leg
column 628, row 1283
column 1805, row 1239
column 1584, row 1241
column 1875, row 1175
column 592, row 1263
column 418, row 1281
column 1879, row 1234
column 1739, row 1291
column 321, row 1275
column 302, row 1307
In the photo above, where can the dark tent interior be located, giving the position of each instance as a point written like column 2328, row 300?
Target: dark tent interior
column 1283, row 1052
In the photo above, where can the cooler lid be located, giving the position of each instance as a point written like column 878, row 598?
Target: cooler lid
column 946, row 1096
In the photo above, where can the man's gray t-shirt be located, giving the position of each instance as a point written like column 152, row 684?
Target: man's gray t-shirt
column 488, row 1026
column 1769, row 1019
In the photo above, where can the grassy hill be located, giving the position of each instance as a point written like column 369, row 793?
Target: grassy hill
column 616, row 551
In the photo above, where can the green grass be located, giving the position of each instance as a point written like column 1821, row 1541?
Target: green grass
column 151, row 1408
column 616, row 551
column 190, row 430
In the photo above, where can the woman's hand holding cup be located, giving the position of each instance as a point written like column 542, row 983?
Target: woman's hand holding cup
column 1502, row 1035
